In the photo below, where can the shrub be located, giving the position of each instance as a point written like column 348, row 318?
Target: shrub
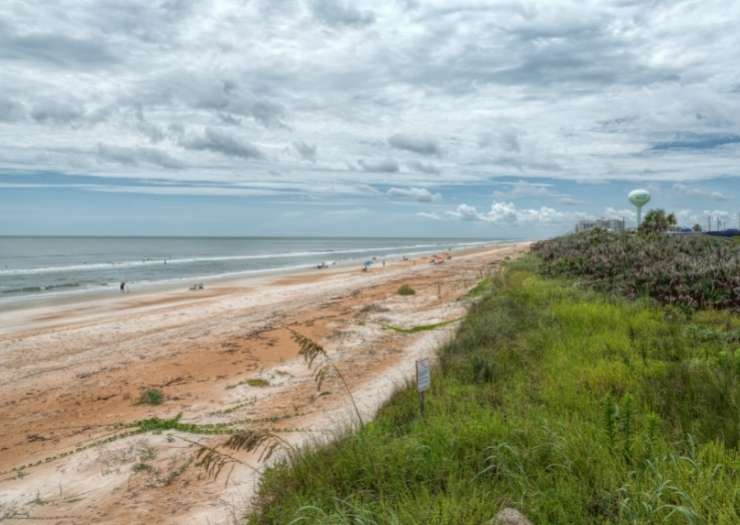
column 405, row 289
column 689, row 272
column 151, row 396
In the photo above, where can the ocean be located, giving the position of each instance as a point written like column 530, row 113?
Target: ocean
column 42, row 266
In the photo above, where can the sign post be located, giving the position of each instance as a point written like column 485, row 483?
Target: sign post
column 423, row 381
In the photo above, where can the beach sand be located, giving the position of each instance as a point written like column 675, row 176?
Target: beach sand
column 72, row 374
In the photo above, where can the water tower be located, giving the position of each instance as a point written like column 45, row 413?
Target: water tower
column 639, row 198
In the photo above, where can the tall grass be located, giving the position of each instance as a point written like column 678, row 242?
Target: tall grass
column 569, row 405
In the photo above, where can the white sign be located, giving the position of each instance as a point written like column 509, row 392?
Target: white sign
column 423, row 376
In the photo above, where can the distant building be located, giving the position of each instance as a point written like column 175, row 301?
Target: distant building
column 612, row 225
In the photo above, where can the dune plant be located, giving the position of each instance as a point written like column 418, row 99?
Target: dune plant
column 405, row 289
column 688, row 272
column 577, row 424
column 151, row 396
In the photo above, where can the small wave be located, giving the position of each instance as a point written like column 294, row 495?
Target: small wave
column 35, row 289
column 191, row 260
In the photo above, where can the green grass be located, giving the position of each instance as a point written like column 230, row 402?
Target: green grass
column 571, row 406
column 483, row 286
column 156, row 424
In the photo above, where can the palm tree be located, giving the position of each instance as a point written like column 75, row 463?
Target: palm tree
column 657, row 221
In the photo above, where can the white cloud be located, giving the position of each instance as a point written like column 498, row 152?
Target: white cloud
column 700, row 192
column 507, row 212
column 609, row 90
column 417, row 194
column 522, row 188
column 429, row 215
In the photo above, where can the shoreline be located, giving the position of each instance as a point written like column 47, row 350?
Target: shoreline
column 74, row 373
column 85, row 293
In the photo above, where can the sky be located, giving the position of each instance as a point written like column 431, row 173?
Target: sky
column 496, row 119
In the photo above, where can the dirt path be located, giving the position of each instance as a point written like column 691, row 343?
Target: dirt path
column 72, row 375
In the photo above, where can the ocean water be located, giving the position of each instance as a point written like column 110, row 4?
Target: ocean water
column 42, row 266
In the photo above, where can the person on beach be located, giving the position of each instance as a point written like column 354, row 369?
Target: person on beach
column 123, row 287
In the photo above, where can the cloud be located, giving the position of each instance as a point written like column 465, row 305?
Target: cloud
column 341, row 13
column 428, row 215
column 508, row 141
column 379, row 165
column 420, row 145
column 137, row 156
column 570, row 201
column 523, row 188
column 423, row 167
column 717, row 213
column 11, row 110
column 223, row 143
column 57, row 111
column 618, row 213
column 417, row 194
column 455, row 94
column 306, row 151
column 507, row 212
column 57, row 50
column 700, row 192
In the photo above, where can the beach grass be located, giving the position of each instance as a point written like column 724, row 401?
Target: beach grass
column 573, row 406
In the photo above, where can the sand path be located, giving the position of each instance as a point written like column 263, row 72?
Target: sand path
column 72, row 375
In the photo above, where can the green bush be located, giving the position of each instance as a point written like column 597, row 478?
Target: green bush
column 151, row 396
column 405, row 289
column 690, row 272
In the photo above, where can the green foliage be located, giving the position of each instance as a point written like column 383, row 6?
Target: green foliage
column 151, row 396
column 257, row 382
column 657, row 221
column 689, row 272
column 420, row 328
column 142, row 467
column 405, row 289
column 156, row 424
column 574, row 407
column 483, row 286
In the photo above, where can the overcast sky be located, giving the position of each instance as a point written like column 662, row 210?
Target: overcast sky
column 334, row 117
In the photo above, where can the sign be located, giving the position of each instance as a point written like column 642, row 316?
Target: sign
column 423, row 377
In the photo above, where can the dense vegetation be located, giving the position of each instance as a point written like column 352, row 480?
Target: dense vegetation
column 569, row 405
column 689, row 272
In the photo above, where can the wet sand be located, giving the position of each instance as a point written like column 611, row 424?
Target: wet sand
column 72, row 374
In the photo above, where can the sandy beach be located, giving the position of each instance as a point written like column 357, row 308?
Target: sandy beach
column 72, row 375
